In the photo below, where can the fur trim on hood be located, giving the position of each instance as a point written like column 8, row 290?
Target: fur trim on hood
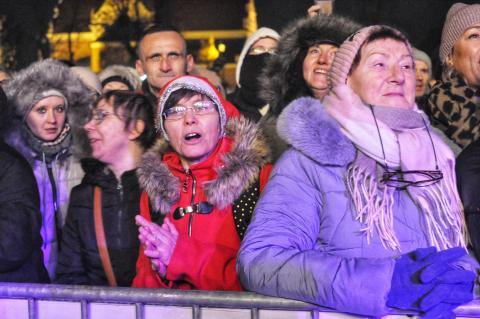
column 240, row 169
column 26, row 85
column 128, row 74
column 306, row 126
column 282, row 78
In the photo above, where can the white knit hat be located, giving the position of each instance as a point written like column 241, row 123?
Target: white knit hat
column 257, row 35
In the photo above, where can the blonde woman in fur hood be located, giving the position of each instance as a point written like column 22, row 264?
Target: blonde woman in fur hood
column 201, row 181
column 47, row 99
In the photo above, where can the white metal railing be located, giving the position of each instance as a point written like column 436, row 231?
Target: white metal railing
column 37, row 301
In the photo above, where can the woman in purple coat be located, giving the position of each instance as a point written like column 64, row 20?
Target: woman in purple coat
column 362, row 213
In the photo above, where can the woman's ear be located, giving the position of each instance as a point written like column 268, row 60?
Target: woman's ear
column 136, row 130
column 450, row 60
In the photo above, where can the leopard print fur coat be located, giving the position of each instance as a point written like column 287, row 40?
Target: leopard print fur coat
column 454, row 107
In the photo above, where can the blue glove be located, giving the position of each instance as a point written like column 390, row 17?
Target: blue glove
column 425, row 279
column 440, row 311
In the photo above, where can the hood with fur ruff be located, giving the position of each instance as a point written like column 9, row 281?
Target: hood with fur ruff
column 241, row 167
column 282, row 78
column 306, row 126
column 29, row 83
column 127, row 73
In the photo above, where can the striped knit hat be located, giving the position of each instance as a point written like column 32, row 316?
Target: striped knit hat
column 460, row 17
column 348, row 50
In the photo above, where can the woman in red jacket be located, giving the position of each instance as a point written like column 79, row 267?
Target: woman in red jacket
column 201, row 181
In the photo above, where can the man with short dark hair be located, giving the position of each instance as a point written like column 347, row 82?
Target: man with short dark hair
column 162, row 55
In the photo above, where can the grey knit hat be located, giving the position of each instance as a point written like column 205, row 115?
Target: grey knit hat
column 348, row 50
column 460, row 17
column 422, row 56
column 120, row 73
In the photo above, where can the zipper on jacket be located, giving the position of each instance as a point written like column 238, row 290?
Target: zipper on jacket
column 120, row 190
column 57, row 216
column 188, row 172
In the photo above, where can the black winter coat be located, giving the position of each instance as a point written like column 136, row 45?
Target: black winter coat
column 468, row 181
column 79, row 261
column 21, row 257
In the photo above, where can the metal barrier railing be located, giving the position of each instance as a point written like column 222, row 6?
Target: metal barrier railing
column 169, row 297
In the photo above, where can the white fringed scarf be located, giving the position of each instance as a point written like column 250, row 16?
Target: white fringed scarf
column 407, row 146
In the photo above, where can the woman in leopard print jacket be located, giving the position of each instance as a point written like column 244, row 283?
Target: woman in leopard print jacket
column 454, row 103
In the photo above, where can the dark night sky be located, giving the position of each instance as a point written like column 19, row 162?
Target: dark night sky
column 422, row 20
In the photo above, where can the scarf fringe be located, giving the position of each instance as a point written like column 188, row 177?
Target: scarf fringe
column 374, row 208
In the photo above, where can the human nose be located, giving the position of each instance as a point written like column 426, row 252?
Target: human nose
column 51, row 116
column 418, row 75
column 190, row 116
column 396, row 74
column 165, row 65
column 325, row 57
column 89, row 126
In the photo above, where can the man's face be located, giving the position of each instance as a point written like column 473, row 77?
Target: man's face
column 422, row 77
column 163, row 57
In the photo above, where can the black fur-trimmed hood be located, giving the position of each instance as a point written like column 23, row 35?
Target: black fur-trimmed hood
column 282, row 78
column 241, row 167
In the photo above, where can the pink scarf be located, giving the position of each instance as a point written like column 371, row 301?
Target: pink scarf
column 407, row 146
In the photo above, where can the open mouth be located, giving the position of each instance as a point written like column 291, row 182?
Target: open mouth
column 192, row 136
column 320, row 71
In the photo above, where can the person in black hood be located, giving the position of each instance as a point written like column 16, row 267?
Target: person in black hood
column 300, row 66
column 120, row 130
column 21, row 257
column 258, row 48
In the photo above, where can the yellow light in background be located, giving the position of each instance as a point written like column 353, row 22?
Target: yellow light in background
column 222, row 47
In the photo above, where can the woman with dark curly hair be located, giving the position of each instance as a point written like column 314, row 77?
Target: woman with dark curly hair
column 48, row 99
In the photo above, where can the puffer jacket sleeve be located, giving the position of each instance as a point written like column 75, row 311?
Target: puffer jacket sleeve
column 71, row 268
column 20, row 218
column 280, row 255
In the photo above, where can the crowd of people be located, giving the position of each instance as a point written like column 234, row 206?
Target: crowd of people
column 338, row 172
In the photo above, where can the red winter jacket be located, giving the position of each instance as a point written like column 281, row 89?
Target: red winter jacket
column 207, row 259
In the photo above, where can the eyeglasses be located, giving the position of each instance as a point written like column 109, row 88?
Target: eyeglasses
column 402, row 179
column 178, row 111
column 262, row 50
column 99, row 116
